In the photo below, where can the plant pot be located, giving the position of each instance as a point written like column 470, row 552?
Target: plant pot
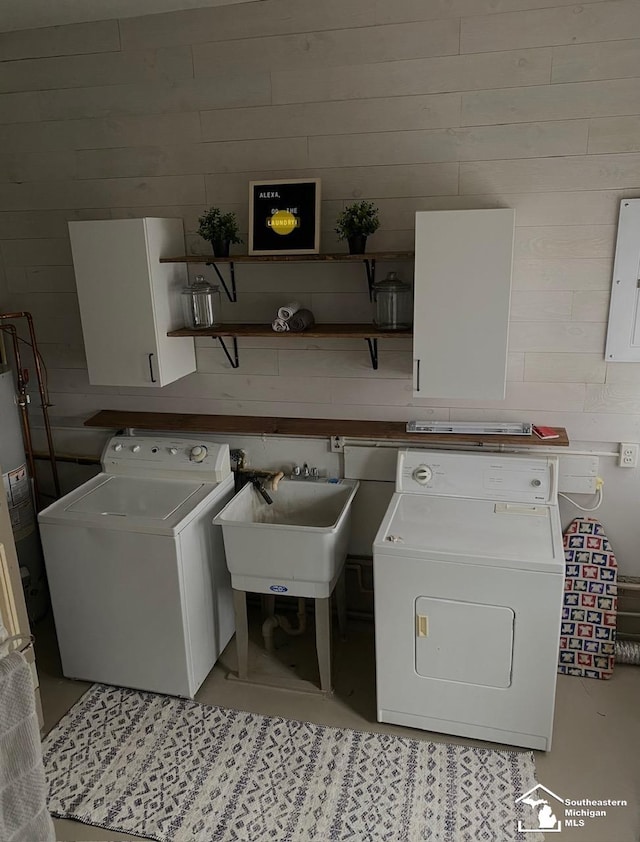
column 220, row 248
column 357, row 244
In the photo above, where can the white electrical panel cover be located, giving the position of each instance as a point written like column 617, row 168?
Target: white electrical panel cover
column 129, row 300
column 463, row 262
column 623, row 333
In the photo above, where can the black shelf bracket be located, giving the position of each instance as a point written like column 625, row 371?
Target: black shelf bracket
column 234, row 361
column 370, row 268
column 372, row 342
column 231, row 295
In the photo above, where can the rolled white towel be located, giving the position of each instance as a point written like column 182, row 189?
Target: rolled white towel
column 288, row 310
column 280, row 325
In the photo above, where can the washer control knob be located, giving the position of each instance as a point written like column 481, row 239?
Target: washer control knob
column 422, row 474
column 118, row 446
column 136, row 448
column 536, row 483
column 198, row 453
column 173, row 450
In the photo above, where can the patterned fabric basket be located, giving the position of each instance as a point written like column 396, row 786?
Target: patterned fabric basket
column 588, row 631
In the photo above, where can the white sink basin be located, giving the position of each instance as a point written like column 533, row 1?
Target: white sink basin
column 297, row 545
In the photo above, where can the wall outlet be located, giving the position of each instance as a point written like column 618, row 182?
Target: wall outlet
column 628, row 456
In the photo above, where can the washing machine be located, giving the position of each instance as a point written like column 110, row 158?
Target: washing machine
column 468, row 577
column 140, row 590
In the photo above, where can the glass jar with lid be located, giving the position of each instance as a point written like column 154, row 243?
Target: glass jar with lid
column 201, row 304
column 393, row 303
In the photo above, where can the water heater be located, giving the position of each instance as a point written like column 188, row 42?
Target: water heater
column 17, row 485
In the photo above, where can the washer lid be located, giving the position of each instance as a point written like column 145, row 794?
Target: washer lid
column 134, row 497
column 514, row 535
column 135, row 504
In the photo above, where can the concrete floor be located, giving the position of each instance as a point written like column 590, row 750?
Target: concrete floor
column 596, row 750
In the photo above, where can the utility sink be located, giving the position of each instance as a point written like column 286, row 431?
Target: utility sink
column 297, row 545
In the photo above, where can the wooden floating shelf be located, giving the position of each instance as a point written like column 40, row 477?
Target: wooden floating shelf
column 323, row 331
column 254, row 425
column 369, row 259
column 320, row 331
column 289, row 258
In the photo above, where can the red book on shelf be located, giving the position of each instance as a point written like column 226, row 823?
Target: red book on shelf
column 545, row 432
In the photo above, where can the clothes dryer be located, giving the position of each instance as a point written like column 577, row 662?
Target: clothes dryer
column 139, row 585
column 469, row 577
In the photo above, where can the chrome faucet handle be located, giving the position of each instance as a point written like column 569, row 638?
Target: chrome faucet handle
column 296, row 471
column 315, row 473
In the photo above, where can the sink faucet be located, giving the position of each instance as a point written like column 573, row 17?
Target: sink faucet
column 304, row 472
column 264, row 479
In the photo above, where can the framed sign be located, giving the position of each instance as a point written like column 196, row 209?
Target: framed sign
column 284, row 216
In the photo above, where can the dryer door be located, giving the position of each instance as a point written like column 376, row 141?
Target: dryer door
column 464, row 641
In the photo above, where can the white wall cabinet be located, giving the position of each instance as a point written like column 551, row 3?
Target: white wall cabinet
column 129, row 300
column 623, row 332
column 463, row 262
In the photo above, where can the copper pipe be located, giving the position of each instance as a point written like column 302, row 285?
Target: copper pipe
column 23, row 401
column 44, row 400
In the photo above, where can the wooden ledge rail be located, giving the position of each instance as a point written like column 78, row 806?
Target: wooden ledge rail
column 250, row 425
column 368, row 332
column 318, row 331
column 288, row 258
column 368, row 259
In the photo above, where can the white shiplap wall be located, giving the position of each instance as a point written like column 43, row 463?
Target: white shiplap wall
column 416, row 104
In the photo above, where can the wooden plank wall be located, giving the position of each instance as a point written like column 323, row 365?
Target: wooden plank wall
column 415, row 104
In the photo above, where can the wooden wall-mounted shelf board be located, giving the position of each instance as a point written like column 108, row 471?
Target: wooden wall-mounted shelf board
column 313, row 427
column 369, row 259
column 320, row 331
column 344, row 331
column 289, row 258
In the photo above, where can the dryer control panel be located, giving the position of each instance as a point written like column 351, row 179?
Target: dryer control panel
column 174, row 458
column 515, row 478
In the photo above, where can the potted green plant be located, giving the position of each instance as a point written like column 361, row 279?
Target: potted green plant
column 220, row 229
column 355, row 223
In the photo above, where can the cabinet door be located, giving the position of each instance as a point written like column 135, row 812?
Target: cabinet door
column 128, row 300
column 461, row 303
column 623, row 332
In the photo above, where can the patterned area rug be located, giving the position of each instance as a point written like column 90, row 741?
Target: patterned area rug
column 177, row 771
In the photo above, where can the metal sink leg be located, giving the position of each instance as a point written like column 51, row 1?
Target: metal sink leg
column 242, row 632
column 341, row 603
column 323, row 641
